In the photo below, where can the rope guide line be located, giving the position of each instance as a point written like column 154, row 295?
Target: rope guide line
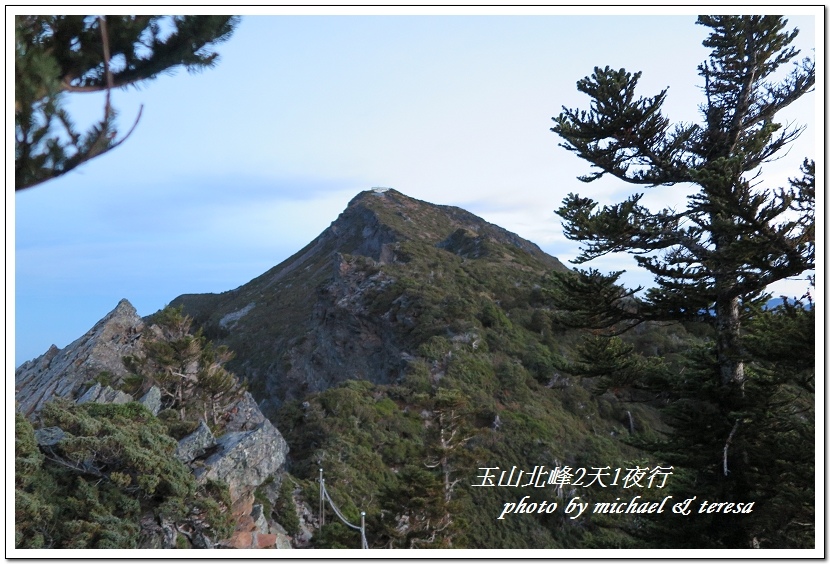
column 324, row 497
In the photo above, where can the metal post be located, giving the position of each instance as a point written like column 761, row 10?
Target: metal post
column 322, row 499
column 362, row 528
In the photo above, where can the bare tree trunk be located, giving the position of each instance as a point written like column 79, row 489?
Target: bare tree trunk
column 729, row 348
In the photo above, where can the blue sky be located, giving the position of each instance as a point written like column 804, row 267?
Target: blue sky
column 232, row 170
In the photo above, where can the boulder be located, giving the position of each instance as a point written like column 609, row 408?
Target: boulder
column 245, row 539
column 264, row 540
column 195, row 444
column 245, row 415
column 283, row 539
column 258, row 517
column 152, row 400
column 244, row 460
column 240, row 539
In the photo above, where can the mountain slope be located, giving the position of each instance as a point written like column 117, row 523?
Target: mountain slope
column 344, row 307
column 409, row 350
column 405, row 349
column 414, row 352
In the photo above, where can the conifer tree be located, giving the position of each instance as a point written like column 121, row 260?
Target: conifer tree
column 187, row 368
column 741, row 412
column 733, row 238
column 55, row 55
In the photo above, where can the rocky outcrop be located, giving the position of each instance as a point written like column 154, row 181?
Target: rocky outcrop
column 249, row 453
column 104, row 394
column 254, row 531
column 245, row 415
column 195, row 444
column 244, row 460
column 64, row 372
column 49, row 436
column 152, row 400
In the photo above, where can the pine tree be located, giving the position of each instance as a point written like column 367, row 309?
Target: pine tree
column 733, row 239
column 187, row 368
column 758, row 447
column 55, row 55
column 741, row 414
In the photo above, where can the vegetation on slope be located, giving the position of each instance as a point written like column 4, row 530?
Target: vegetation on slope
column 114, row 467
column 110, row 474
column 484, row 385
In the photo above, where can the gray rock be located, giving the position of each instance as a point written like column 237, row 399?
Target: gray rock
column 150, row 536
column 200, row 540
column 229, row 320
column 283, row 538
column 104, row 394
column 195, row 444
column 245, row 460
column 169, row 534
column 308, row 522
column 49, row 436
column 156, row 535
column 496, row 423
column 62, row 373
column 260, row 521
column 152, row 400
column 245, row 415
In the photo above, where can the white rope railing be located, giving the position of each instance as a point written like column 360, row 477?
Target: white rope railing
column 324, row 496
column 337, row 511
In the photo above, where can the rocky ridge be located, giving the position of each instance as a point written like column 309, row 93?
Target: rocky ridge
column 63, row 372
column 250, row 452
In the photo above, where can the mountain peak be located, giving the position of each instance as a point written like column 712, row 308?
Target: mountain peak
column 343, row 307
column 448, row 227
column 377, row 192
